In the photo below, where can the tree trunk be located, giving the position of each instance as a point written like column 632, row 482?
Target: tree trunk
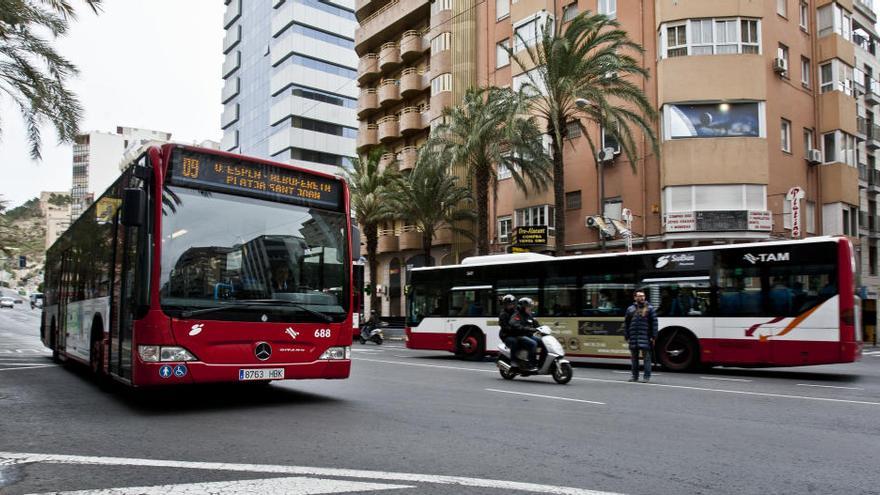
column 427, row 237
column 482, row 185
column 372, row 234
column 559, row 192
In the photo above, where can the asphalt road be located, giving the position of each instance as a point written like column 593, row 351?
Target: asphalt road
column 424, row 423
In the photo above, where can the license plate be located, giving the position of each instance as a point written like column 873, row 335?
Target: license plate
column 261, row 374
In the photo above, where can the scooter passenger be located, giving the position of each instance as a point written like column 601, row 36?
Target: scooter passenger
column 522, row 327
column 368, row 327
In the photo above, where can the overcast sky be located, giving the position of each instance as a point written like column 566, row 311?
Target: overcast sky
column 151, row 64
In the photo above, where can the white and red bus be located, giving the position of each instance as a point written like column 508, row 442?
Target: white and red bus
column 784, row 303
column 201, row 266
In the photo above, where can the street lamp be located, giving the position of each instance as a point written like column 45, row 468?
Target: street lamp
column 602, row 156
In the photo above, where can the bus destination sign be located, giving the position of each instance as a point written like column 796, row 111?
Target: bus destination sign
column 236, row 176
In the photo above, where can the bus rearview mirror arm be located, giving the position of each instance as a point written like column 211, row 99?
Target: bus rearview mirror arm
column 134, row 207
column 355, row 243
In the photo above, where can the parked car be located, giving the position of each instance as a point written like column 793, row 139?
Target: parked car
column 7, row 302
column 36, row 300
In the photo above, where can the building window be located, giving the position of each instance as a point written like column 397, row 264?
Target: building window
column 534, row 80
column 537, row 216
column 713, row 120
column 782, row 8
column 832, row 18
column 505, row 225
column 811, row 217
column 573, row 200
column 440, row 5
column 785, row 135
column 502, row 9
column 609, row 139
column 613, row 209
column 710, row 37
column 608, row 7
column 715, row 197
column 572, row 129
column 503, row 172
column 782, row 53
column 502, row 58
column 808, row 141
column 569, row 12
column 527, row 32
column 441, row 42
column 835, row 76
column 804, row 15
column 441, row 83
column 839, row 146
column 805, row 72
column 850, row 220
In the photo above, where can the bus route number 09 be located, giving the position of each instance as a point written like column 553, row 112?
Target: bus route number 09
column 322, row 333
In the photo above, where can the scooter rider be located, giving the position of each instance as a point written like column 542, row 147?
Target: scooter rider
column 508, row 308
column 372, row 323
column 522, row 326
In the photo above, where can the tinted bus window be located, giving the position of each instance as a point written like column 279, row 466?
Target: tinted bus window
column 523, row 287
column 427, row 300
column 470, row 302
column 560, row 296
column 606, row 299
column 739, row 292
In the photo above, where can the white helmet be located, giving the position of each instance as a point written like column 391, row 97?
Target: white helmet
column 526, row 301
column 508, row 299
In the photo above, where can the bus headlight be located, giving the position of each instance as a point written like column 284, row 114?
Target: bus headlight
column 336, row 353
column 155, row 353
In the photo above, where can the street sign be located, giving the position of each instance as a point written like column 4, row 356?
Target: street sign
column 22, row 261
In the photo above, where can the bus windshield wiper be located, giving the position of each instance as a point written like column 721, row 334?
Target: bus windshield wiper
column 250, row 303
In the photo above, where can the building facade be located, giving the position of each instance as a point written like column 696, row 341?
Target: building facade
column 96, row 161
column 55, row 207
column 756, row 100
column 289, row 89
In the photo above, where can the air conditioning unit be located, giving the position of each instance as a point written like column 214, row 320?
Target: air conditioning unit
column 606, row 155
column 780, row 66
column 814, row 157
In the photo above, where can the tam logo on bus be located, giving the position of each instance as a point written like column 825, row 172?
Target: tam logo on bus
column 766, row 257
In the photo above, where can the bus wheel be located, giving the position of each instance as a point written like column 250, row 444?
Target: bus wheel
column 469, row 344
column 677, row 350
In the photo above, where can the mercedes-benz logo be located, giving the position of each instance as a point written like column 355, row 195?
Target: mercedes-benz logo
column 263, row 351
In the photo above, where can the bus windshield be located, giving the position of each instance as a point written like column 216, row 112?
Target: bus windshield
column 222, row 250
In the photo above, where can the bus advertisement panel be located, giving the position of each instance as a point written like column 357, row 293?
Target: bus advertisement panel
column 764, row 304
column 201, row 266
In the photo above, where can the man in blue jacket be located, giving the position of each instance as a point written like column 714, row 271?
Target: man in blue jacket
column 640, row 330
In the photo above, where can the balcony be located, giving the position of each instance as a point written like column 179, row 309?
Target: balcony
column 412, row 45
column 386, row 160
column 389, row 56
column 874, row 180
column 390, row 18
column 410, row 120
column 872, row 141
column 410, row 238
column 389, row 128
column 442, row 237
column 389, row 92
column 408, row 156
column 412, row 82
column 862, row 127
column 864, row 173
column 872, row 92
column 368, row 136
column 388, row 242
column 233, row 12
column 368, row 102
column 368, row 67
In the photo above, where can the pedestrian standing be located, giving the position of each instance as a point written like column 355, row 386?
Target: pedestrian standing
column 640, row 331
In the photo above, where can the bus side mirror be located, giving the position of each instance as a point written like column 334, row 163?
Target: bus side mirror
column 134, row 207
column 355, row 243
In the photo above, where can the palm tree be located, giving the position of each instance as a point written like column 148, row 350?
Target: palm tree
column 32, row 73
column 491, row 126
column 430, row 198
column 583, row 69
column 368, row 185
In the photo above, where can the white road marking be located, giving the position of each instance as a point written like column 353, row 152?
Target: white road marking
column 828, row 386
column 725, row 379
column 29, row 367
column 654, row 384
column 871, row 353
column 543, row 396
column 287, row 486
column 24, row 458
column 11, row 363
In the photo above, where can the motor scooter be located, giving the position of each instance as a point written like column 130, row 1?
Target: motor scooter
column 551, row 362
column 372, row 333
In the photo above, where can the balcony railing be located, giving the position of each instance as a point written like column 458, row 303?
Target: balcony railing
column 863, row 172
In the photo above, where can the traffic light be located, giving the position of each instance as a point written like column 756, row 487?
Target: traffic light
column 22, row 261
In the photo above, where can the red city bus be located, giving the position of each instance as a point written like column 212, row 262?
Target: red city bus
column 786, row 303
column 201, row 266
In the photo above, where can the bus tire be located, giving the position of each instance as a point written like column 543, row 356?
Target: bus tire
column 470, row 344
column 677, row 349
column 96, row 348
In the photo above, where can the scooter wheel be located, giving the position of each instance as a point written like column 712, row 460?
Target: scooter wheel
column 507, row 374
column 361, row 340
column 378, row 341
column 562, row 373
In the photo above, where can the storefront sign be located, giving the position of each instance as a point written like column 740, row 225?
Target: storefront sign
column 535, row 235
column 795, row 195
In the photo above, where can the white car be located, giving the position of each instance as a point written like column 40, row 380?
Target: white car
column 7, row 302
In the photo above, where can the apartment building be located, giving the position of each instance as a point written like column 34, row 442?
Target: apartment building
column 55, row 207
column 757, row 100
column 289, row 74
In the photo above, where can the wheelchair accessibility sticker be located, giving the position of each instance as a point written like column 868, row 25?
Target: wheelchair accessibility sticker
column 180, row 370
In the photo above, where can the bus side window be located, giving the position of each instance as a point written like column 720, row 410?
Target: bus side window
column 560, row 296
column 739, row 292
column 606, row 299
column 524, row 287
column 680, row 299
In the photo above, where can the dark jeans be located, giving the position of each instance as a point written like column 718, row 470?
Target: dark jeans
column 517, row 343
column 634, row 355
